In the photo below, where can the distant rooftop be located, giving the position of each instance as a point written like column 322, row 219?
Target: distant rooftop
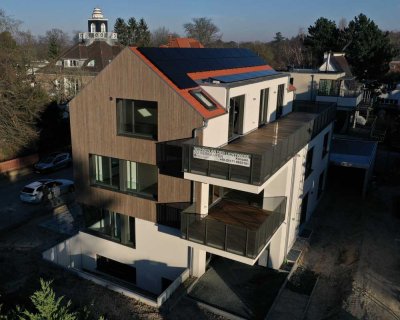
column 182, row 43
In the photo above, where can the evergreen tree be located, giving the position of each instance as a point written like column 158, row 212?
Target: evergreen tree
column 322, row 37
column 121, row 29
column 369, row 50
column 132, row 31
column 143, row 35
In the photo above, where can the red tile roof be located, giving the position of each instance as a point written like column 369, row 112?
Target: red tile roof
column 226, row 72
column 183, row 43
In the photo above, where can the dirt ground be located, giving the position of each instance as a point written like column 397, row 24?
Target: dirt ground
column 21, row 268
column 355, row 248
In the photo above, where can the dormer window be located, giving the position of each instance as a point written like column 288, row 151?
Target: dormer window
column 204, row 100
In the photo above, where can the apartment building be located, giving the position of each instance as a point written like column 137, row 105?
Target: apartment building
column 182, row 153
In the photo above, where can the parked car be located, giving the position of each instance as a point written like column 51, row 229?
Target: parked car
column 53, row 162
column 38, row 191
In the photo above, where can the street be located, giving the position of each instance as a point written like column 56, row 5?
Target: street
column 12, row 210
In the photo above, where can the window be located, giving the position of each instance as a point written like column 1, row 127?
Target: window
column 105, row 171
column 325, row 148
column 125, row 176
column 204, row 100
column 92, row 27
column 137, row 118
column 320, row 184
column 103, row 27
column 309, row 160
column 140, row 178
column 329, row 87
column 110, row 225
column 279, row 101
column 236, row 110
column 116, row 269
column 291, row 81
column 264, row 96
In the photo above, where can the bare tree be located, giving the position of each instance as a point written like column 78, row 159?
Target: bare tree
column 342, row 24
column 202, row 29
column 161, row 36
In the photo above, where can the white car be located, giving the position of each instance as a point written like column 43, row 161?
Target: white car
column 38, row 191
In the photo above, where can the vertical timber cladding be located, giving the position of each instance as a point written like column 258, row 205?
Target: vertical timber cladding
column 94, row 130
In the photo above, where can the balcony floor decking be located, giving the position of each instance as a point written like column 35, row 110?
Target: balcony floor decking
column 264, row 138
column 238, row 214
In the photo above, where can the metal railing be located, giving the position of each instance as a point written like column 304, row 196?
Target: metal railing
column 234, row 239
column 262, row 165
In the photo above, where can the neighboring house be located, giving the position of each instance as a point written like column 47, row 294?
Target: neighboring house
column 182, row 43
column 65, row 77
column 331, row 82
column 181, row 153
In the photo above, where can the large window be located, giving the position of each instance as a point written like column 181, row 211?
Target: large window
column 137, row 118
column 236, row 110
column 116, row 269
column 309, row 160
column 264, row 96
column 110, row 225
column 320, row 184
column 125, row 176
column 325, row 148
column 329, row 87
column 279, row 100
column 106, row 171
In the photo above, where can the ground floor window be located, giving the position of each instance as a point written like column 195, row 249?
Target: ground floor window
column 116, row 269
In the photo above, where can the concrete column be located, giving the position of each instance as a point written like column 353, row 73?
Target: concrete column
column 198, row 265
column 203, row 200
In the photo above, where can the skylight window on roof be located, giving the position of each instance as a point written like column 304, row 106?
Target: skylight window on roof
column 204, row 100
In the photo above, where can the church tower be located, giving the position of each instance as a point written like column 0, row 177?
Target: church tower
column 97, row 29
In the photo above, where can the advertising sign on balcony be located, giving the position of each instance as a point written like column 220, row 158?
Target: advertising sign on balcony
column 234, row 158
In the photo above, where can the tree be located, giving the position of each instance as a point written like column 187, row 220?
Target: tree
column 370, row 50
column 161, row 36
column 57, row 41
column 278, row 37
column 7, row 23
column 132, row 28
column 121, row 28
column 322, row 37
column 202, row 29
column 48, row 306
column 143, row 34
column 21, row 101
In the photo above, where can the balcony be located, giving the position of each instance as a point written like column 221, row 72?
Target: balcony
column 345, row 93
column 235, row 227
column 255, row 157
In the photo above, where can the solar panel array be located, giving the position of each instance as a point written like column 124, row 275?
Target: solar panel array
column 245, row 76
column 175, row 63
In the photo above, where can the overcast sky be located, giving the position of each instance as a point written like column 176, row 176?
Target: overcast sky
column 239, row 20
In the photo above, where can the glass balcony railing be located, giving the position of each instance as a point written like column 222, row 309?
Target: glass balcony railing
column 269, row 147
column 234, row 227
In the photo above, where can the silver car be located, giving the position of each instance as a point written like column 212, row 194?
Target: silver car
column 53, row 162
column 38, row 191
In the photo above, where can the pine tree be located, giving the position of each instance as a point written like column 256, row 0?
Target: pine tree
column 132, row 31
column 143, row 34
column 121, row 29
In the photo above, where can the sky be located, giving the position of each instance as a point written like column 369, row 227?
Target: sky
column 238, row 20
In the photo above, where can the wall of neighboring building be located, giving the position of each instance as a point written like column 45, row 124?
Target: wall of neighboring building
column 307, row 83
column 94, row 131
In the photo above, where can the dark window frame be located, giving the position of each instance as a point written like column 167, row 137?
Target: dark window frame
column 325, row 146
column 279, row 100
column 122, row 178
column 263, row 107
column 309, row 163
column 121, row 113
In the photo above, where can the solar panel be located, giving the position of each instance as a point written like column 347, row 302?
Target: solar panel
column 245, row 76
column 175, row 63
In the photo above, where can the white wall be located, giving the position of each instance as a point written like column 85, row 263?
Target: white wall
column 216, row 132
column 218, row 93
column 157, row 254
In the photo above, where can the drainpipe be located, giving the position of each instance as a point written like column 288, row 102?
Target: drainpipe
column 290, row 204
